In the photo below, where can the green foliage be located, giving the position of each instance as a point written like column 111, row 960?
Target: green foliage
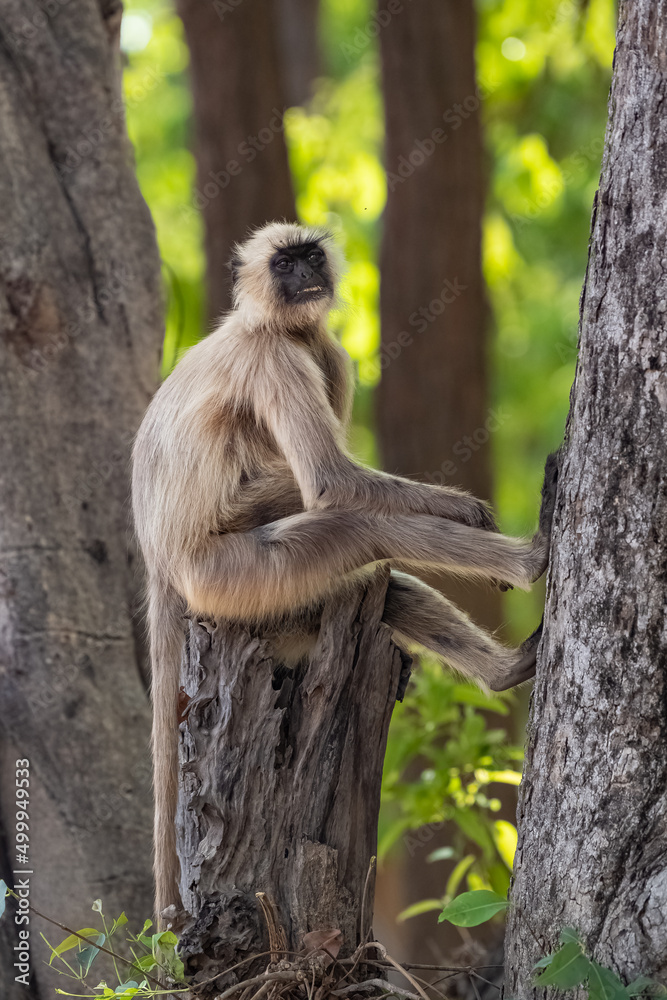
column 143, row 957
column 570, row 967
column 440, row 723
column 567, row 968
column 158, row 104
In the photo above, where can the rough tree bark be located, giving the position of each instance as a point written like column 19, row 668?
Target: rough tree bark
column 433, row 415
column 80, row 332
column 593, row 810
column 243, row 176
column 280, row 782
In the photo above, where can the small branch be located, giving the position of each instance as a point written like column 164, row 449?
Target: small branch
column 107, row 951
column 266, row 977
column 474, row 988
column 374, row 984
column 365, row 934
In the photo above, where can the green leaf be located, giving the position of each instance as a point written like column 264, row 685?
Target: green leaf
column 423, row 906
column 506, row 777
column 72, row 941
column 165, row 939
column 643, row 985
column 603, row 984
column 87, row 956
column 569, row 968
column 476, row 829
column 543, row 962
column 441, row 854
column 122, row 920
column 568, row 935
column 146, row 963
column 473, row 908
column 454, row 880
column 131, row 984
column 391, row 835
column 505, row 837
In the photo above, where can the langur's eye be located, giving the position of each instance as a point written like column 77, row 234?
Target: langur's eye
column 284, row 264
column 315, row 257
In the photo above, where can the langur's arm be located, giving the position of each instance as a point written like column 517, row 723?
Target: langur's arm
column 293, row 402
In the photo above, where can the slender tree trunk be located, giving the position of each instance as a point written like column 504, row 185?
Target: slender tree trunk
column 433, row 390
column 80, row 331
column 300, row 57
column 243, row 177
column 433, row 414
column 593, row 810
column 280, row 782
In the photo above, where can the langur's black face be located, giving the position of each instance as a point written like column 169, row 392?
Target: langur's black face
column 302, row 273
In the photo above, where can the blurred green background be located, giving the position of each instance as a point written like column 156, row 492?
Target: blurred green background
column 544, row 72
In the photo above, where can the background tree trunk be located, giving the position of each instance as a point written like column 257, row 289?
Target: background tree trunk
column 300, row 58
column 80, row 332
column 243, row 176
column 593, row 810
column 303, row 834
column 434, row 391
column 433, row 415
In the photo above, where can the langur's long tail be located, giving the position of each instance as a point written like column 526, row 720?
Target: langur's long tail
column 166, row 645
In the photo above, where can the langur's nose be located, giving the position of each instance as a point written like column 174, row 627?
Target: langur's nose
column 305, row 272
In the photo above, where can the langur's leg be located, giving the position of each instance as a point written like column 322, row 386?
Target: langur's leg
column 422, row 615
column 297, row 560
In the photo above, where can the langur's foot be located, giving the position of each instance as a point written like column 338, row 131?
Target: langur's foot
column 524, row 667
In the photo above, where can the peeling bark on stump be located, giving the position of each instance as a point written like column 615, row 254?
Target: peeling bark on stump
column 280, row 781
column 593, row 811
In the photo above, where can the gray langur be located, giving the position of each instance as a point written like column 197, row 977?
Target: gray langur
column 249, row 509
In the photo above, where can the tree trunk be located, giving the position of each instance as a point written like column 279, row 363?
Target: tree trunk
column 300, row 58
column 433, row 390
column 280, row 782
column 243, row 177
column 433, row 414
column 80, row 331
column 593, row 811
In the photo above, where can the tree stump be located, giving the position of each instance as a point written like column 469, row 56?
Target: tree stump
column 280, row 776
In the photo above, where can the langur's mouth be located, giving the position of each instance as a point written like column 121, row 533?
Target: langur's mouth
column 312, row 290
